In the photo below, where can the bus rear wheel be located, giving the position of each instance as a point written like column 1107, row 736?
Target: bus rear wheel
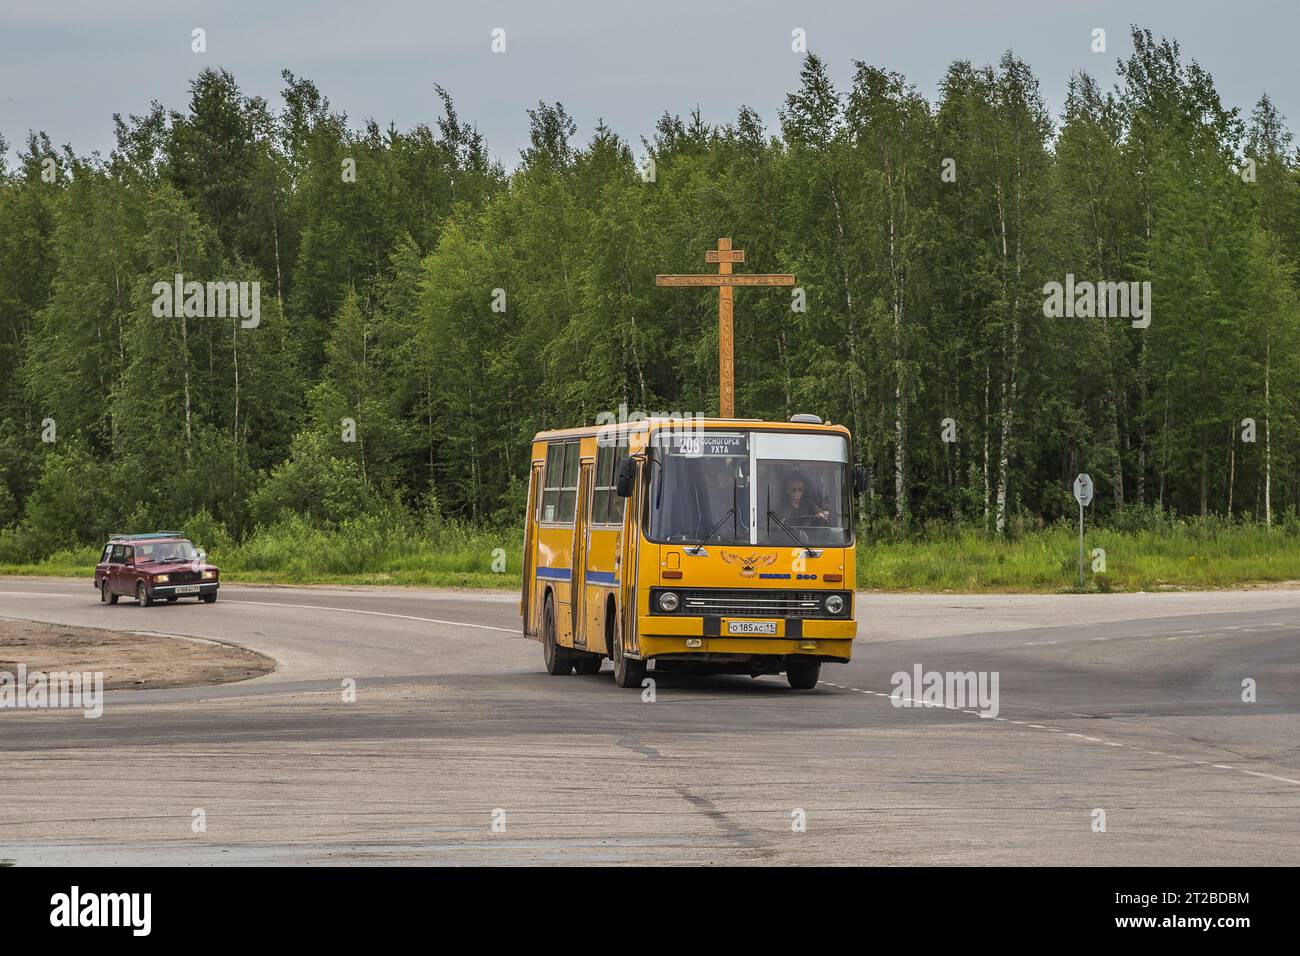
column 803, row 675
column 588, row 664
column 558, row 660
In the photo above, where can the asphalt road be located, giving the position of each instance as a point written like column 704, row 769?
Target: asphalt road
column 1128, row 704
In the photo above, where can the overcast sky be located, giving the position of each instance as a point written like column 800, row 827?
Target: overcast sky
column 66, row 67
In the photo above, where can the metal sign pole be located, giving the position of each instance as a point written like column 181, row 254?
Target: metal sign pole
column 1083, row 495
column 1081, row 546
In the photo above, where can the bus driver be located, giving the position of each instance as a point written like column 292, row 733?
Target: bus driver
column 800, row 505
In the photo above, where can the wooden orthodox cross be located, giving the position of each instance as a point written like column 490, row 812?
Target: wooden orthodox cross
column 724, row 256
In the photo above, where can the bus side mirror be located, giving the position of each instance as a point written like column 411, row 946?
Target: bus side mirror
column 625, row 478
column 860, row 480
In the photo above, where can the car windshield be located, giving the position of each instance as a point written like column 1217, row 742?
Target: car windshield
column 781, row 489
column 157, row 552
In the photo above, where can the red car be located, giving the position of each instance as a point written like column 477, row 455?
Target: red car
column 163, row 565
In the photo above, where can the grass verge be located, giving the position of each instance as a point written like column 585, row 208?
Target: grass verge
column 1183, row 555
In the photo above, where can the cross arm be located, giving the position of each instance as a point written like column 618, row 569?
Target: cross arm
column 732, row 280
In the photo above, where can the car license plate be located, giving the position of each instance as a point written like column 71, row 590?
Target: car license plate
column 751, row 627
column 186, row 589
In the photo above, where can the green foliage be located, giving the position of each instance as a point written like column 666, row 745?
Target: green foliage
column 384, row 548
column 69, row 504
column 451, row 310
column 1173, row 554
column 389, row 549
column 316, row 485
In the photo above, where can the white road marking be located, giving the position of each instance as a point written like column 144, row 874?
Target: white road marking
column 1095, row 740
column 47, row 594
column 353, row 610
column 507, row 630
column 310, row 607
column 1269, row 776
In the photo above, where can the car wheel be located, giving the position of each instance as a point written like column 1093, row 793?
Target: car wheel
column 142, row 595
column 803, row 675
column 558, row 660
column 208, row 598
column 106, row 596
column 627, row 673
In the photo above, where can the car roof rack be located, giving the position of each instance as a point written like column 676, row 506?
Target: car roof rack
column 141, row 537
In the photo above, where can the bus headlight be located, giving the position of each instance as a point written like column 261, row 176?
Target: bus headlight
column 669, row 601
column 834, row 604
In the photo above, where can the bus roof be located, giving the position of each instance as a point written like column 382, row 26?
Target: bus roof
column 648, row 424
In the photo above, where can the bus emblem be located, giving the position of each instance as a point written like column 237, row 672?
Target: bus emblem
column 748, row 562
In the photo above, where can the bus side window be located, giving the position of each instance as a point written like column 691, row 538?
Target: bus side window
column 549, row 508
column 606, row 505
column 600, row 496
column 615, row 513
column 569, row 488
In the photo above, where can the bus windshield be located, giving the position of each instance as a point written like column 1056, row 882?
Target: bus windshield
column 779, row 489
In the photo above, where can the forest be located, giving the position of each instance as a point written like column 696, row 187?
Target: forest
column 424, row 310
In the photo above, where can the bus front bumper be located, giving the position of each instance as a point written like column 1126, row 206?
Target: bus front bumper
column 660, row 635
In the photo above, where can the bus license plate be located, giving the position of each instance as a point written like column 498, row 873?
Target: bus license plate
column 186, row 589
column 751, row 627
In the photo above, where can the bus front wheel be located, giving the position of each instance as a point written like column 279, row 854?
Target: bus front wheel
column 803, row 675
column 627, row 673
column 558, row 660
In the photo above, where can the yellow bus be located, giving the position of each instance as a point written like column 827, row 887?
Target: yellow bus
column 704, row 545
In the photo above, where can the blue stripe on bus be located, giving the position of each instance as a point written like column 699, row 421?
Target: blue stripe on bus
column 566, row 574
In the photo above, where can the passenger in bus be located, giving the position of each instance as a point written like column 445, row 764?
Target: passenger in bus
column 798, row 504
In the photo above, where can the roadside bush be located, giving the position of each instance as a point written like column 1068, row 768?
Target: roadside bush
column 70, row 504
column 207, row 533
column 315, row 484
column 1133, row 518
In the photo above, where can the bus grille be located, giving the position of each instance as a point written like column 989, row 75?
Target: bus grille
column 754, row 603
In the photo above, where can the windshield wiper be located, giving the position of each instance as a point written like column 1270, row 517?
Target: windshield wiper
column 799, row 536
column 697, row 548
